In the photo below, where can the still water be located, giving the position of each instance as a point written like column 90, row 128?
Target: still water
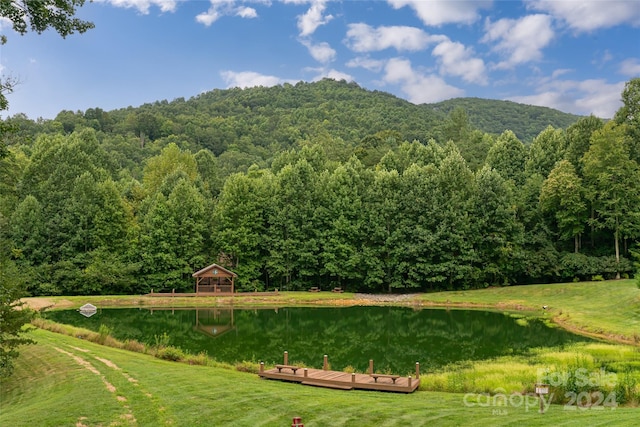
column 394, row 337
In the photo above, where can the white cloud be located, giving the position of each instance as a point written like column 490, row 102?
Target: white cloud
column 220, row 8
column 5, row 23
column 364, row 38
column 247, row 12
column 630, row 67
column 321, row 52
column 313, row 18
column 143, row 6
column 333, row 74
column 590, row 15
column 367, row 63
column 440, row 12
column 594, row 96
column 560, row 72
column 419, row 88
column 520, row 40
column 245, row 79
column 456, row 60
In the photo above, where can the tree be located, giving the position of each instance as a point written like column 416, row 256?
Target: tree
column 293, row 232
column 171, row 159
column 563, row 195
column 343, row 220
column 546, row 150
column 613, row 184
column 508, row 156
column 629, row 114
column 12, row 315
column 496, row 233
column 240, row 224
column 578, row 137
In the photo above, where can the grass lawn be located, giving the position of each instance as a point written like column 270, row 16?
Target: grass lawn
column 609, row 309
column 65, row 381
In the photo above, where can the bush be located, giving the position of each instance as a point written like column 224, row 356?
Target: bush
column 584, row 267
column 170, row 353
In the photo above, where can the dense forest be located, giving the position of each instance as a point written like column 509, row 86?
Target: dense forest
column 320, row 184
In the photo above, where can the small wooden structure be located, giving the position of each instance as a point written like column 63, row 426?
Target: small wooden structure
column 214, row 279
column 341, row 380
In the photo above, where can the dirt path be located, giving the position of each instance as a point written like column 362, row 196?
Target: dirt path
column 41, row 303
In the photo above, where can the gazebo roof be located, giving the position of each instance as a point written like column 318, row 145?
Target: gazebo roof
column 227, row 273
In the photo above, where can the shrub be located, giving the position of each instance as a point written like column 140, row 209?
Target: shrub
column 245, row 366
column 103, row 331
column 135, row 346
column 170, row 353
column 197, row 359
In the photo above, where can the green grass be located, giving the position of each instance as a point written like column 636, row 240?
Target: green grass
column 66, row 381
column 609, row 309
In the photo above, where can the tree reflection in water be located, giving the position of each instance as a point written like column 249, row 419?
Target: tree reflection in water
column 394, row 337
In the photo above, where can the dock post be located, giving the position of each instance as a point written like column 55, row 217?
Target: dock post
column 409, row 380
column 325, row 363
column 370, row 366
column 417, row 370
column 353, row 377
column 261, row 367
column 286, row 357
column 306, row 372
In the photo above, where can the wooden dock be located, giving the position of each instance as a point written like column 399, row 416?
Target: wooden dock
column 342, row 380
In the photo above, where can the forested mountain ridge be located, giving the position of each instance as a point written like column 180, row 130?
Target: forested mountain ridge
column 353, row 112
column 494, row 116
column 290, row 188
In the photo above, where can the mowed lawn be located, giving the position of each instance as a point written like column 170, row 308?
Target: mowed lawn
column 66, row 381
column 608, row 308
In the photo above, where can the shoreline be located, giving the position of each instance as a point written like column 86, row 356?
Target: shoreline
column 416, row 300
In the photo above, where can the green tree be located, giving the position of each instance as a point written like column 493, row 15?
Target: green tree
column 578, row 139
column 496, row 232
column 293, row 234
column 563, row 196
column 343, row 224
column 381, row 211
column 629, row 114
column 13, row 315
column 28, row 227
column 240, row 225
column 508, row 156
column 613, row 184
column 545, row 151
column 172, row 159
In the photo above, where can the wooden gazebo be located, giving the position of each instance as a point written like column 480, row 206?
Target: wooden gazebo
column 214, row 279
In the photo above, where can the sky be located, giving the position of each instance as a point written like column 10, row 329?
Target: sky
column 574, row 56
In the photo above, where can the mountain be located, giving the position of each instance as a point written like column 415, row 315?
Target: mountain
column 493, row 116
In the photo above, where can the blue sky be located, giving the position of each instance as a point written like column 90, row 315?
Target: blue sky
column 574, row 56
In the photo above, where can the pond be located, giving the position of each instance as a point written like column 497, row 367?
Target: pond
column 394, row 337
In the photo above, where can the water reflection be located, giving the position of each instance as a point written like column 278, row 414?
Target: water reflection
column 395, row 337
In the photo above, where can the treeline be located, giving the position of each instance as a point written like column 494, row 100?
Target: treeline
column 92, row 211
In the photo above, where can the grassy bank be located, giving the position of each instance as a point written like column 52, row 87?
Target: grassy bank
column 607, row 309
column 64, row 381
